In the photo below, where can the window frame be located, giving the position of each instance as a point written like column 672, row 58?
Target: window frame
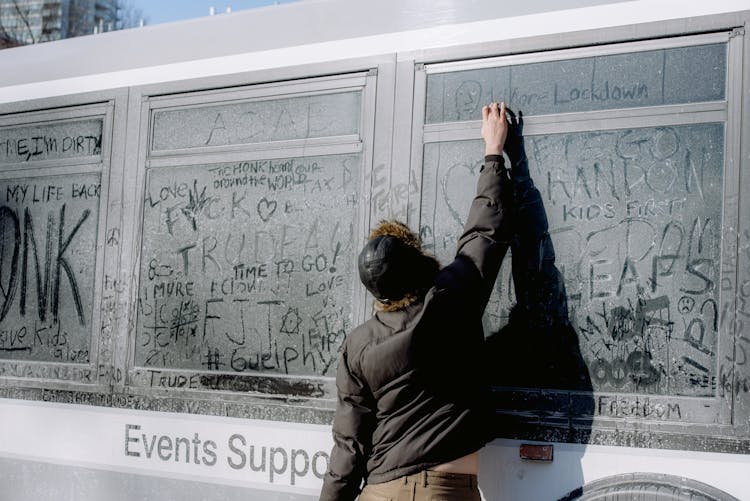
column 96, row 375
column 715, row 414
column 250, row 387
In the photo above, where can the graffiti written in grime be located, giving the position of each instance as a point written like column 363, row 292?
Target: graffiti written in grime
column 48, row 230
column 257, row 278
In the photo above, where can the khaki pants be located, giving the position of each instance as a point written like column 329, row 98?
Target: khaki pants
column 425, row 486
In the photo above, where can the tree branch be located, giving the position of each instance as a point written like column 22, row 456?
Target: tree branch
column 25, row 18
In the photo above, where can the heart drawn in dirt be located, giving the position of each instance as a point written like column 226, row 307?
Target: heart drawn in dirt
column 266, row 208
column 457, row 189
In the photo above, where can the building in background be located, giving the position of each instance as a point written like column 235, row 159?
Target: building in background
column 25, row 22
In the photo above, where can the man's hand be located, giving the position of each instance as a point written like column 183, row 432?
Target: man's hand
column 494, row 128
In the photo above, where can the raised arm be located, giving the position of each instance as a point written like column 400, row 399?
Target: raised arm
column 485, row 238
column 494, row 128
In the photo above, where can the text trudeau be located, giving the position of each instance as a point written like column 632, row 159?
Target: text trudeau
column 282, row 465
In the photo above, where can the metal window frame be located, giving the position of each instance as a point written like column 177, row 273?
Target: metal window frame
column 260, row 93
column 364, row 77
column 41, row 118
column 739, row 373
column 722, row 416
column 611, row 49
column 107, row 106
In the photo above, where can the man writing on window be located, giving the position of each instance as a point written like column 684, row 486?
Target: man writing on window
column 413, row 399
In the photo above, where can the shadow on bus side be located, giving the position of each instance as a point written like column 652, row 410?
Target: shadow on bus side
column 543, row 388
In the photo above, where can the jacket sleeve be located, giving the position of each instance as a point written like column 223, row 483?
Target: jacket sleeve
column 352, row 436
column 485, row 239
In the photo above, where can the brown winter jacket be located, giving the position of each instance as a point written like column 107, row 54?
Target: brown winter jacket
column 412, row 390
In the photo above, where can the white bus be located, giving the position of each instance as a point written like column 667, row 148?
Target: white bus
column 182, row 206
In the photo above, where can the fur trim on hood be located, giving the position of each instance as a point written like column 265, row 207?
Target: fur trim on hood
column 399, row 230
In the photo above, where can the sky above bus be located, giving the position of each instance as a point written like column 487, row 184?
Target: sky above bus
column 165, row 11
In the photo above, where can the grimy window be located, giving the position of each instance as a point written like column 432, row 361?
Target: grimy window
column 53, row 165
column 251, row 208
column 627, row 145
